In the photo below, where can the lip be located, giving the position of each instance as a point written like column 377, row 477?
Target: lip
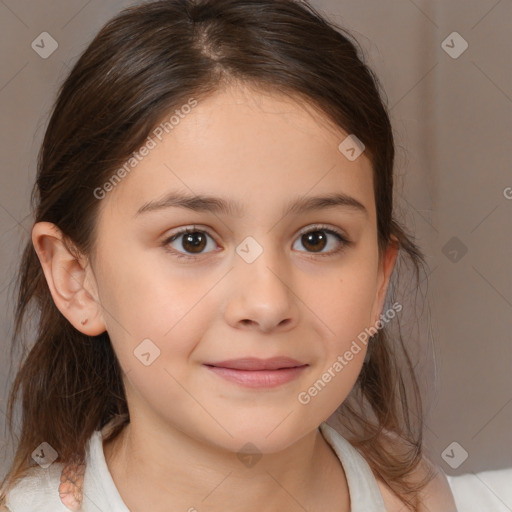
column 256, row 364
column 258, row 373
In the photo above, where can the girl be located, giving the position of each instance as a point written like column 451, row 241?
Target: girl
column 213, row 245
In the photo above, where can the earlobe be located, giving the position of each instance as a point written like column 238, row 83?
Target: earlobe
column 68, row 280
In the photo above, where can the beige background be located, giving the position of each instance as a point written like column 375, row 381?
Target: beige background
column 453, row 125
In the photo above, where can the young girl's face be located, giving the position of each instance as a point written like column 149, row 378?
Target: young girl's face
column 263, row 275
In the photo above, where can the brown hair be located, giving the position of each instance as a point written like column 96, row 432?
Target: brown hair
column 145, row 62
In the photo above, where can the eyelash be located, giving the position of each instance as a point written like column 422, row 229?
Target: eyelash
column 316, row 227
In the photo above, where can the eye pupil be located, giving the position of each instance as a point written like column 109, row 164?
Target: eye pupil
column 196, row 239
column 312, row 238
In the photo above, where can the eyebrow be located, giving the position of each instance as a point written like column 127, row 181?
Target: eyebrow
column 204, row 203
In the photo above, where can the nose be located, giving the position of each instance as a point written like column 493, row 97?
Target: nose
column 261, row 294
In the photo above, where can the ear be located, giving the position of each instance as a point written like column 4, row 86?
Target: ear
column 70, row 279
column 386, row 266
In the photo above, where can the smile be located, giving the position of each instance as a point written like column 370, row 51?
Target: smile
column 258, row 378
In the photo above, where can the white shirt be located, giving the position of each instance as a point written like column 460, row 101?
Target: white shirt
column 489, row 491
column 39, row 490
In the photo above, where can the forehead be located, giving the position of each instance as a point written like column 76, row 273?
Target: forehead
column 248, row 145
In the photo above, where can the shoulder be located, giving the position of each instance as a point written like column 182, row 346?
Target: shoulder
column 36, row 487
column 436, row 495
column 52, row 489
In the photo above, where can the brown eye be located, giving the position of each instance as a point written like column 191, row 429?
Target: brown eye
column 317, row 239
column 314, row 240
column 193, row 242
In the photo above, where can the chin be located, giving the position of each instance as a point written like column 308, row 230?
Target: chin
column 264, row 437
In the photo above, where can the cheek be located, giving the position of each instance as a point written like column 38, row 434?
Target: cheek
column 343, row 304
column 343, row 300
column 145, row 304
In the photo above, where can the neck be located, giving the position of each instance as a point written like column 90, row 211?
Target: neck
column 305, row 475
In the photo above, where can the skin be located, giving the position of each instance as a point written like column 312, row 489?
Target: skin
column 262, row 150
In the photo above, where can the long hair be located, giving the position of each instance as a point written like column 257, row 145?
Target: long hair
column 143, row 64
